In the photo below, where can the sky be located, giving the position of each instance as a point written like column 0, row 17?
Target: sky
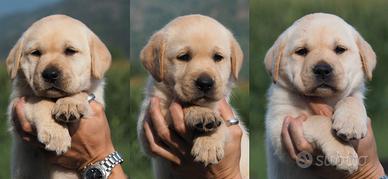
column 11, row 6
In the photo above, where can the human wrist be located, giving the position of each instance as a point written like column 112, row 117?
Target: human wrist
column 109, row 167
column 231, row 173
column 97, row 156
column 117, row 173
column 373, row 170
column 234, row 175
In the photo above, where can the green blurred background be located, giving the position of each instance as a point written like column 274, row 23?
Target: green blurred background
column 269, row 18
column 148, row 16
column 110, row 21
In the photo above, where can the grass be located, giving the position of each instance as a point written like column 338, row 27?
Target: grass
column 117, row 111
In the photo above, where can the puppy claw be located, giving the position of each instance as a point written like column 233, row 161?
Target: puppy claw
column 349, row 126
column 350, row 119
column 56, row 139
column 70, row 110
column 343, row 158
column 207, row 150
column 204, row 121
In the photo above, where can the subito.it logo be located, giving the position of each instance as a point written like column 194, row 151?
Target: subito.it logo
column 304, row 159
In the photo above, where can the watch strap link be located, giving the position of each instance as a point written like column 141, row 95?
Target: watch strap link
column 111, row 161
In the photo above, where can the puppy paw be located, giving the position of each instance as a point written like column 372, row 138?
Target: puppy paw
column 350, row 120
column 55, row 138
column 343, row 157
column 69, row 109
column 207, row 150
column 207, row 122
column 202, row 120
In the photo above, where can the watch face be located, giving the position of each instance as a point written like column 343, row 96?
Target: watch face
column 94, row 173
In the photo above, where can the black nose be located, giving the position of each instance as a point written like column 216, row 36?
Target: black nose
column 323, row 71
column 50, row 75
column 204, row 83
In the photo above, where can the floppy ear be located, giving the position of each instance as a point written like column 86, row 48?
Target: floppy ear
column 101, row 57
column 153, row 54
column 367, row 55
column 237, row 57
column 14, row 57
column 273, row 58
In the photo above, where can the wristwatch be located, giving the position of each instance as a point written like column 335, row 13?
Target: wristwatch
column 102, row 169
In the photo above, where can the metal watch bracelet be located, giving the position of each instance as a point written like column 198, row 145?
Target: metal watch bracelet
column 104, row 166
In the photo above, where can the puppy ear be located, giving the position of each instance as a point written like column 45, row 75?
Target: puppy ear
column 153, row 54
column 14, row 57
column 273, row 58
column 101, row 57
column 237, row 57
column 367, row 55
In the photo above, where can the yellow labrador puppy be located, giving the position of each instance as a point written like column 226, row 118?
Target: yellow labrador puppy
column 55, row 64
column 193, row 60
column 319, row 56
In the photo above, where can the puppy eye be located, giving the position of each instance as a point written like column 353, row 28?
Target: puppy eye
column 302, row 51
column 70, row 51
column 36, row 53
column 184, row 57
column 217, row 57
column 339, row 50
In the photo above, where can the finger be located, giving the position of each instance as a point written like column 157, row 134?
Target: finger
column 97, row 108
column 162, row 130
column 297, row 136
column 226, row 113
column 286, row 139
column 32, row 140
column 302, row 117
column 225, row 110
column 319, row 107
column 156, row 149
column 178, row 120
column 20, row 122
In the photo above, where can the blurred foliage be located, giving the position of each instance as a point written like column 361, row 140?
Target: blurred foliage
column 233, row 14
column 5, row 137
column 269, row 18
column 118, row 108
column 108, row 19
column 117, row 111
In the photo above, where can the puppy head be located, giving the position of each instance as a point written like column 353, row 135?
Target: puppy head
column 58, row 56
column 320, row 55
column 195, row 56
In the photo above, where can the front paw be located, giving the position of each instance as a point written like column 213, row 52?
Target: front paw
column 343, row 157
column 207, row 150
column 203, row 120
column 69, row 109
column 55, row 138
column 349, row 123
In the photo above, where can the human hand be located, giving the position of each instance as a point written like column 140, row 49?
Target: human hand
column 294, row 143
column 91, row 139
column 174, row 144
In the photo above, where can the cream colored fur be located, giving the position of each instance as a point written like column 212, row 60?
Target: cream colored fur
column 294, row 86
column 173, row 79
column 49, row 107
